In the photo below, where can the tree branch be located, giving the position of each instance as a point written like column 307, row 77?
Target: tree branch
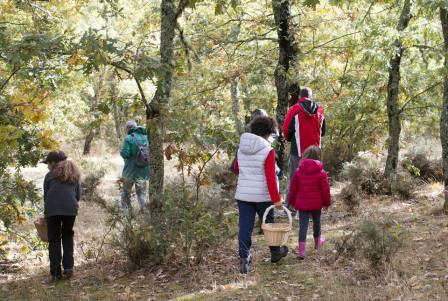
column 181, row 7
column 14, row 71
column 413, row 97
column 13, row 23
column 187, row 47
column 332, row 40
column 142, row 93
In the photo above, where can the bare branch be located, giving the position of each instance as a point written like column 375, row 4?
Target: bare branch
column 14, row 71
column 332, row 40
column 187, row 47
column 413, row 97
column 13, row 23
column 181, row 7
column 142, row 93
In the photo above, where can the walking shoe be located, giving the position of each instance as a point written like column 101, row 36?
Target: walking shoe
column 301, row 250
column 278, row 253
column 318, row 242
column 245, row 265
column 52, row 279
column 68, row 273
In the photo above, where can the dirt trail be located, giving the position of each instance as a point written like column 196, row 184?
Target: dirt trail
column 418, row 271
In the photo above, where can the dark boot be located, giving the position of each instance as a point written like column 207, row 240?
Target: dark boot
column 52, row 279
column 278, row 253
column 245, row 264
column 68, row 273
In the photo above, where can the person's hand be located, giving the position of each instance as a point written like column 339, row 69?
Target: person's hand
column 325, row 209
column 279, row 204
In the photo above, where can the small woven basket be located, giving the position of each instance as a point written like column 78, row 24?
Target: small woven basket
column 41, row 227
column 276, row 234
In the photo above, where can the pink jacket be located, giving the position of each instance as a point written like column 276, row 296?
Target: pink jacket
column 309, row 188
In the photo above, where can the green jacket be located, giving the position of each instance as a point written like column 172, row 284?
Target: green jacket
column 129, row 152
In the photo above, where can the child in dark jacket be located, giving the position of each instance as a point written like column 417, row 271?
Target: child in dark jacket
column 309, row 192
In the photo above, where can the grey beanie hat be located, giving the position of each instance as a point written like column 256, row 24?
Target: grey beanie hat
column 131, row 124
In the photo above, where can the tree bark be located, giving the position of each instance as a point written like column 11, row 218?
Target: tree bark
column 444, row 114
column 117, row 120
column 88, row 142
column 393, row 92
column 287, row 55
column 235, row 94
column 113, row 94
column 155, row 110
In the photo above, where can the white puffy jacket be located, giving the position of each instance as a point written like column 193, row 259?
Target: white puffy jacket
column 252, row 154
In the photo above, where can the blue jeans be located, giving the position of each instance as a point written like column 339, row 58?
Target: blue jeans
column 140, row 189
column 247, row 211
column 304, row 217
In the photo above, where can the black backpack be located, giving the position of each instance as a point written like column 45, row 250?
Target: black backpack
column 142, row 157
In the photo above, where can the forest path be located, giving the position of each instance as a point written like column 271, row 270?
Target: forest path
column 418, row 271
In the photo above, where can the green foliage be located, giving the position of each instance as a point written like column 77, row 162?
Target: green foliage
column 17, row 198
column 15, row 192
column 184, row 231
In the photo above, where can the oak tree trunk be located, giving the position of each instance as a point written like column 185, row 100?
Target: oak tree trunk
column 444, row 114
column 287, row 55
column 155, row 112
column 393, row 93
column 117, row 120
column 88, row 142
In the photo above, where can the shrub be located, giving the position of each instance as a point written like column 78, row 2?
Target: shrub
column 183, row 230
column 403, row 185
column 350, row 196
column 366, row 173
column 375, row 242
column 89, row 186
column 420, row 166
column 19, row 200
column 220, row 173
column 334, row 157
column 95, row 165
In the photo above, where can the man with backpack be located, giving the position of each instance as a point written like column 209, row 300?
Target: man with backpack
column 135, row 152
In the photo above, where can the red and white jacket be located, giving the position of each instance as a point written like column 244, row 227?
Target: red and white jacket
column 304, row 125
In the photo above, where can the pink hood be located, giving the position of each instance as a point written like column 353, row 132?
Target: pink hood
column 310, row 167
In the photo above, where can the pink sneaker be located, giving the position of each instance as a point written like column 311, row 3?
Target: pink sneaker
column 318, row 242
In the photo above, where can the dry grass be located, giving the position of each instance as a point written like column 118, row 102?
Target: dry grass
column 416, row 272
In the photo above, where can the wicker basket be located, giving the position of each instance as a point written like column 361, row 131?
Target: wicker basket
column 276, row 234
column 41, row 227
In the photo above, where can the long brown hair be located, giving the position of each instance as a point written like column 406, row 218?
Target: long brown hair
column 312, row 152
column 67, row 172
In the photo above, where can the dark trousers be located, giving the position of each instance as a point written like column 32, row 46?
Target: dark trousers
column 293, row 163
column 304, row 217
column 247, row 212
column 60, row 227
